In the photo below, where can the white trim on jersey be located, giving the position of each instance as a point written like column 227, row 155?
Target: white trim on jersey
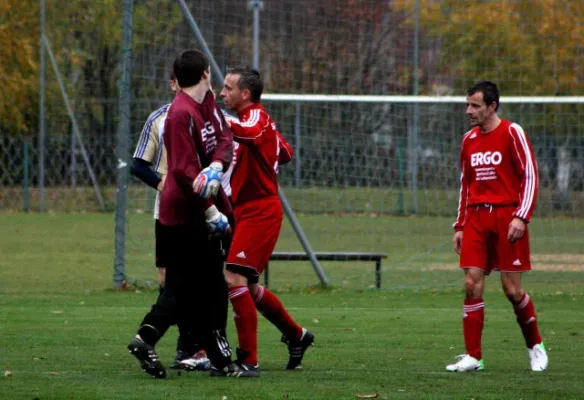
column 460, row 211
column 160, row 141
column 254, row 118
column 529, row 171
column 143, row 142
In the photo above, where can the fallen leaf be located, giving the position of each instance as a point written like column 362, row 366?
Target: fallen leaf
column 52, row 373
column 7, row 373
column 368, row 396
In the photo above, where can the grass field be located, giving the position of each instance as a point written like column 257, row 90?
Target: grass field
column 63, row 331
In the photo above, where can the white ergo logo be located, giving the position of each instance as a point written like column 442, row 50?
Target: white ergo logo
column 486, row 158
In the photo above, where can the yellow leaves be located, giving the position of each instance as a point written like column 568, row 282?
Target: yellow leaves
column 516, row 43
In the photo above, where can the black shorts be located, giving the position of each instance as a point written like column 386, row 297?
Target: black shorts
column 161, row 237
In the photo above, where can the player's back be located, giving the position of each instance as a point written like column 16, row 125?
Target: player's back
column 255, row 171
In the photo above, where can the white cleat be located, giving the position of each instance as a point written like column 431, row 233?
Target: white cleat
column 466, row 363
column 538, row 357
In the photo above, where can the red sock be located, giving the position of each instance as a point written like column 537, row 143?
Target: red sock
column 526, row 318
column 246, row 321
column 473, row 321
column 272, row 308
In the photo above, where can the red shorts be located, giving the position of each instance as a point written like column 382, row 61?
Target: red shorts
column 257, row 227
column 485, row 244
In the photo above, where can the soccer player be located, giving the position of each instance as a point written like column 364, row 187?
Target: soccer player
column 258, row 218
column 499, row 184
column 150, row 152
column 198, row 142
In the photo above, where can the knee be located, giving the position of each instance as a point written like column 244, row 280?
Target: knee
column 233, row 279
column 473, row 287
column 161, row 276
column 513, row 292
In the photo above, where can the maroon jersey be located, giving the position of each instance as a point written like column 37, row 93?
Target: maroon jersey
column 194, row 136
column 261, row 148
column 499, row 168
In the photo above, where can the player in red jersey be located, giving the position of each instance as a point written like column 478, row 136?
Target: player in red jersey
column 499, row 183
column 199, row 144
column 258, row 218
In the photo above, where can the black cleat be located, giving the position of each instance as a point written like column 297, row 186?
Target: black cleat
column 148, row 358
column 179, row 356
column 297, row 348
column 235, row 371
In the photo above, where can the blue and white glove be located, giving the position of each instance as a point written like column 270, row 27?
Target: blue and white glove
column 208, row 182
column 217, row 222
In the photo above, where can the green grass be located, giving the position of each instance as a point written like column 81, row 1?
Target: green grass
column 63, row 331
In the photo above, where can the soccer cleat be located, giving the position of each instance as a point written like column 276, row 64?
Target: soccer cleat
column 466, row 363
column 198, row 362
column 180, row 356
column 297, row 348
column 538, row 357
column 243, row 365
column 234, row 371
column 149, row 360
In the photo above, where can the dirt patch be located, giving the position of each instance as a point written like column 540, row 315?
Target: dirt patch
column 563, row 258
column 537, row 267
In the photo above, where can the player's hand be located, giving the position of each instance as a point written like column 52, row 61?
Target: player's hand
column 208, row 182
column 217, row 222
column 161, row 184
column 516, row 229
column 457, row 241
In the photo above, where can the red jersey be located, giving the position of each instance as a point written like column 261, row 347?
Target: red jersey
column 261, row 148
column 194, row 136
column 499, row 168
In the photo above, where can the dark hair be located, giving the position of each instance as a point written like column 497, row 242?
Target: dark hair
column 172, row 76
column 189, row 68
column 489, row 90
column 249, row 79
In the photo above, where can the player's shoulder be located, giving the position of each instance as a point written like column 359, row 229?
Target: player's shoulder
column 470, row 134
column 156, row 114
column 513, row 128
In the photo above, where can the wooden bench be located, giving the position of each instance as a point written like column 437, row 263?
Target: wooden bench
column 326, row 256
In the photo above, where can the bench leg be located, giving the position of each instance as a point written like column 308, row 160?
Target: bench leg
column 378, row 274
column 266, row 276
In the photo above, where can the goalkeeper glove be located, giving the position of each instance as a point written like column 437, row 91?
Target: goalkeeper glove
column 208, row 182
column 217, row 222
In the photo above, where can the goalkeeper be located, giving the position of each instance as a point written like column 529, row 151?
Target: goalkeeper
column 150, row 162
column 199, row 144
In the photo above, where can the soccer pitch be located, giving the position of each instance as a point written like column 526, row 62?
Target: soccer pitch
column 63, row 331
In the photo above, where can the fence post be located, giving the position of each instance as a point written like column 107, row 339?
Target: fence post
column 26, row 185
column 297, row 174
column 123, row 145
column 42, row 126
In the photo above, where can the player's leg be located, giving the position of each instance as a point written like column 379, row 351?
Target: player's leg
column 296, row 337
column 514, row 260
column 184, row 349
column 244, row 311
column 474, row 262
column 207, row 321
column 163, row 313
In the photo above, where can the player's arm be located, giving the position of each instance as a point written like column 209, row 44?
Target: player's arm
column 462, row 203
column 463, row 195
column 526, row 165
column 145, row 153
column 224, row 150
column 142, row 170
column 252, row 130
column 285, row 150
column 208, row 182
